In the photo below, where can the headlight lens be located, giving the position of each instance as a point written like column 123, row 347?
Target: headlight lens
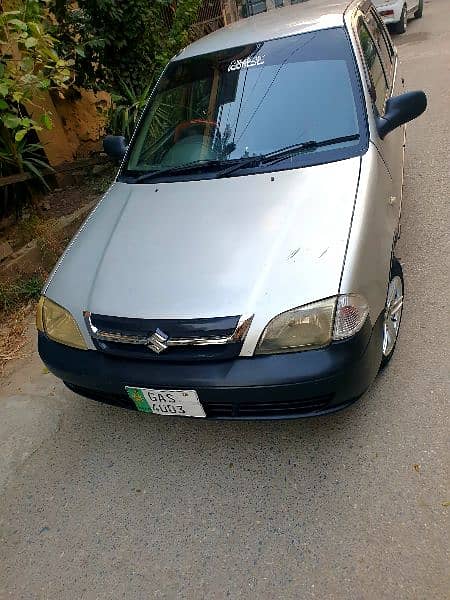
column 58, row 324
column 302, row 328
column 314, row 325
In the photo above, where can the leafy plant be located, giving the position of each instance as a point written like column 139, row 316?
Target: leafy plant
column 29, row 66
column 128, row 41
column 184, row 15
column 127, row 107
column 21, row 155
column 122, row 47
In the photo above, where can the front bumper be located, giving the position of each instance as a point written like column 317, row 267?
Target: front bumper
column 262, row 387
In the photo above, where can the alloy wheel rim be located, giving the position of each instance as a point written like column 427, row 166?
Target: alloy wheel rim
column 392, row 314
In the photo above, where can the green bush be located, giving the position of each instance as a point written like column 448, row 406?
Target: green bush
column 121, row 46
column 127, row 106
column 29, row 65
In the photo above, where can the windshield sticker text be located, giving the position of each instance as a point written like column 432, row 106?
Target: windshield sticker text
column 246, row 63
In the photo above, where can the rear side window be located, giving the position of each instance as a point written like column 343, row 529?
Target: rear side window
column 374, row 67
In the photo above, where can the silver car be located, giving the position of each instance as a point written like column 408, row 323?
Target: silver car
column 242, row 265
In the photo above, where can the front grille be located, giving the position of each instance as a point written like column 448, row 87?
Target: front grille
column 174, row 328
column 223, row 409
column 182, row 354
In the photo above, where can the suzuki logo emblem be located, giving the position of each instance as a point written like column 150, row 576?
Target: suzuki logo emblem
column 158, row 341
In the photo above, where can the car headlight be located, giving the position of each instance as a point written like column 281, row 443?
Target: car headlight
column 314, row 325
column 58, row 324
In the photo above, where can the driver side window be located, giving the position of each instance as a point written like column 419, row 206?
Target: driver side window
column 380, row 35
column 173, row 111
column 375, row 71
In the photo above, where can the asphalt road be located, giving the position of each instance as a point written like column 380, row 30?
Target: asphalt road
column 102, row 503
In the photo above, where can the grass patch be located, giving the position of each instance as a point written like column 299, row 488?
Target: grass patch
column 13, row 335
column 51, row 243
column 14, row 295
column 17, row 303
column 18, row 296
column 26, row 230
column 22, row 231
column 18, row 291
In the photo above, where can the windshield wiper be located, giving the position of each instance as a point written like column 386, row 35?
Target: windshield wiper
column 287, row 151
column 243, row 162
column 186, row 168
column 282, row 153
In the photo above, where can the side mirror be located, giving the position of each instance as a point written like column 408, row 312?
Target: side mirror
column 400, row 110
column 115, row 146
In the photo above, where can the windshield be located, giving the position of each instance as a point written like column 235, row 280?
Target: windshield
column 252, row 101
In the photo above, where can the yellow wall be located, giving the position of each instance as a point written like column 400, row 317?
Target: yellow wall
column 83, row 121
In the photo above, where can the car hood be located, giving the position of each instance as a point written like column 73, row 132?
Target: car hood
column 259, row 244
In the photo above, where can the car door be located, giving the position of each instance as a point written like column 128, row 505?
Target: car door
column 384, row 82
column 393, row 145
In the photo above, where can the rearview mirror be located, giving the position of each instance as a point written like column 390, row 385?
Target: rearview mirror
column 400, row 110
column 115, row 146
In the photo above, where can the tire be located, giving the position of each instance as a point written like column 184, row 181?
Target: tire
column 392, row 312
column 400, row 27
column 419, row 12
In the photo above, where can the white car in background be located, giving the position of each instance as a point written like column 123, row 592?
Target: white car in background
column 396, row 13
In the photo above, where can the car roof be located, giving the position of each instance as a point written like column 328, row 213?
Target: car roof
column 309, row 15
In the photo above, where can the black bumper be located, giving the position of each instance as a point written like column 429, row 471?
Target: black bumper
column 262, row 387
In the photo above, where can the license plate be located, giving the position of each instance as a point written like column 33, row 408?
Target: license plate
column 171, row 403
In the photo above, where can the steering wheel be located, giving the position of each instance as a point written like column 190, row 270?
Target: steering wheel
column 185, row 125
